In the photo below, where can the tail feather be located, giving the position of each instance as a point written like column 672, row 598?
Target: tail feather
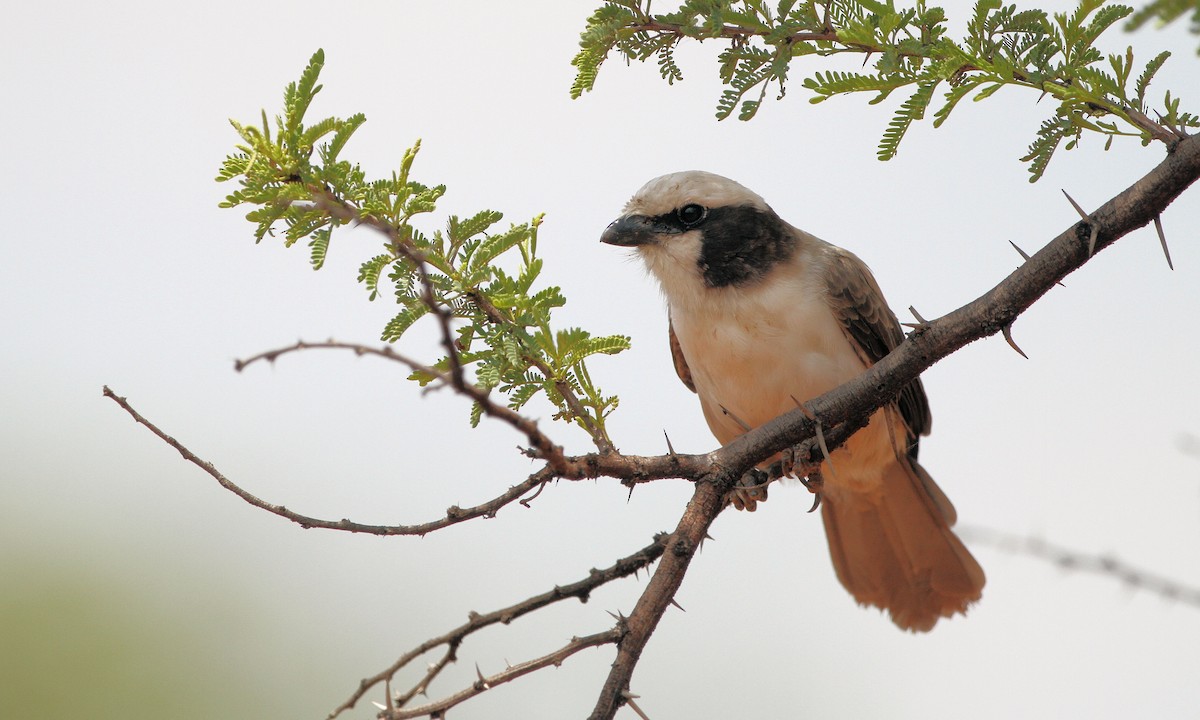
column 894, row 549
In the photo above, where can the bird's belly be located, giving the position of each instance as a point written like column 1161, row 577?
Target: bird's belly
column 749, row 371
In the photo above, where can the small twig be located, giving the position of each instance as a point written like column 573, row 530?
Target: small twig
column 1162, row 239
column 422, row 686
column 599, row 438
column 547, row 448
column 580, row 589
column 346, row 212
column 482, row 684
column 1071, row 560
column 453, row 516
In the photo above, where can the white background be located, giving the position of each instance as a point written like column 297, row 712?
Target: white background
column 135, row 587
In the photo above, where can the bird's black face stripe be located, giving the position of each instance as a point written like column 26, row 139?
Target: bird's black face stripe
column 740, row 244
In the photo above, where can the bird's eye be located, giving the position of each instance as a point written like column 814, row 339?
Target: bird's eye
column 691, row 215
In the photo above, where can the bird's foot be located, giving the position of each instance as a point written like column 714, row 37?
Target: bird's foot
column 750, row 490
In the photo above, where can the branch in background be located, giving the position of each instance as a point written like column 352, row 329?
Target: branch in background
column 1071, row 560
column 581, row 589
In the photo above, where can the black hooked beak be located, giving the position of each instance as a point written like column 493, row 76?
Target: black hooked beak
column 633, row 230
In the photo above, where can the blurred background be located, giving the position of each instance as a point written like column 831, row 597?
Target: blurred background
column 132, row 586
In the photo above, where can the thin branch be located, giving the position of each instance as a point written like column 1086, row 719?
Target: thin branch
column 738, row 34
column 580, row 589
column 483, row 684
column 454, row 514
column 603, row 444
column 347, row 213
column 1125, row 573
column 545, row 447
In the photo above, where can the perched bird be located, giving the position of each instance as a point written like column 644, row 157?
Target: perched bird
column 763, row 315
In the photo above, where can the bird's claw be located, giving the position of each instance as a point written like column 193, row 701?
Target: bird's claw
column 815, row 484
column 750, row 490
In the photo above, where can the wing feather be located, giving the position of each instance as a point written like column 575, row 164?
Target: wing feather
column 872, row 327
column 681, row 367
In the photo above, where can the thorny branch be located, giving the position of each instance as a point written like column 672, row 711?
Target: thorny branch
column 630, row 469
column 512, row 672
column 838, row 412
column 580, row 589
column 543, row 446
column 996, row 309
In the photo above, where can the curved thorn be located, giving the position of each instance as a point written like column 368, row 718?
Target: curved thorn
column 1007, row 330
column 1162, row 239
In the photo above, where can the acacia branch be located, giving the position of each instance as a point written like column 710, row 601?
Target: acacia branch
column 991, row 313
column 631, row 469
column 580, row 589
column 737, row 33
column 853, row 402
column 348, row 213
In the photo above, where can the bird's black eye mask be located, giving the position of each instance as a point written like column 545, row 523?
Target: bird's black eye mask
column 738, row 243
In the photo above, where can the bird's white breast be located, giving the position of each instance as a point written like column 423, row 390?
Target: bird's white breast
column 755, row 351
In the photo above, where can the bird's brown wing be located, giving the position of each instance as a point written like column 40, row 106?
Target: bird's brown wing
column 681, row 366
column 858, row 304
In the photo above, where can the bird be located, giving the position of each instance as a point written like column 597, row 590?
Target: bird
column 763, row 316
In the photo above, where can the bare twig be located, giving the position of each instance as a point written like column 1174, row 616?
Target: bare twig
column 546, row 448
column 453, row 515
column 438, row 709
column 580, row 589
column 1132, row 576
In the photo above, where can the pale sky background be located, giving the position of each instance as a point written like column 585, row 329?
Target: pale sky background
column 131, row 585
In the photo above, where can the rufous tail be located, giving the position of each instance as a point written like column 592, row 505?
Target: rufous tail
column 894, row 549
